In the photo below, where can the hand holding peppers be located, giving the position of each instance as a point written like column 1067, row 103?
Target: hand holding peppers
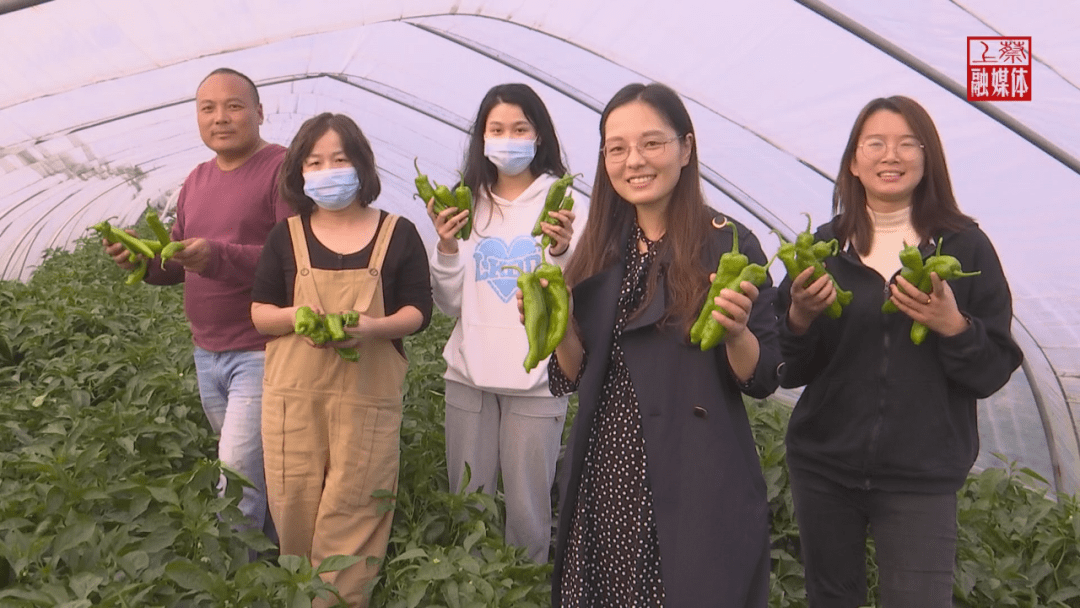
column 442, row 198
column 546, row 310
column 732, row 270
column 912, row 270
column 805, row 253
column 139, row 251
column 321, row 329
column 566, row 205
column 556, row 194
column 946, row 267
column 463, row 196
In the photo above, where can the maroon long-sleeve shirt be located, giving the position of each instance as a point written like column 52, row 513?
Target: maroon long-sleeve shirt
column 234, row 211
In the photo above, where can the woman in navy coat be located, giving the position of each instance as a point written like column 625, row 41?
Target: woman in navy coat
column 662, row 496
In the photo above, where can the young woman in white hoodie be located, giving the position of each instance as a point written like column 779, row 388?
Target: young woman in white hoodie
column 500, row 418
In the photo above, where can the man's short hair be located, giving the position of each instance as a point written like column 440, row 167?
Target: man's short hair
column 232, row 72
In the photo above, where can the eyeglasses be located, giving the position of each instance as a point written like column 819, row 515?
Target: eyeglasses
column 875, row 149
column 650, row 148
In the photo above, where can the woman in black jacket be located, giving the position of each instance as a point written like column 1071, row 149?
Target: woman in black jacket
column 885, row 431
column 662, row 496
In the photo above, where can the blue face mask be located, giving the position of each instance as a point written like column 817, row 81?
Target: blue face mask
column 332, row 189
column 510, row 156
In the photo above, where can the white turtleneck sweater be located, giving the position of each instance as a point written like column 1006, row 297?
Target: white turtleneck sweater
column 891, row 232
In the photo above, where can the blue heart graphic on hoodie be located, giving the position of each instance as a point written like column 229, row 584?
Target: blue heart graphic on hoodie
column 492, row 254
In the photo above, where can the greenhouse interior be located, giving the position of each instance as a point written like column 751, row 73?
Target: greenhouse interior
column 97, row 122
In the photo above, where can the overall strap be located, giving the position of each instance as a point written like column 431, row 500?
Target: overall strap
column 382, row 242
column 303, row 261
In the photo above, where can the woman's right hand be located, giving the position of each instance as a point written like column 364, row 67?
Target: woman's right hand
column 808, row 301
column 447, row 224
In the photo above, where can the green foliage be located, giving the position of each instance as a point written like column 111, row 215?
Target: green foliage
column 1017, row 546
column 107, row 495
column 768, row 419
column 108, row 490
column 447, row 549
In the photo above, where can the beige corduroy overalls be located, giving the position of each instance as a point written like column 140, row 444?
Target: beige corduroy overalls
column 331, row 428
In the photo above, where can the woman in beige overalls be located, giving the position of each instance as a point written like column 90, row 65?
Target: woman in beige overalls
column 331, row 426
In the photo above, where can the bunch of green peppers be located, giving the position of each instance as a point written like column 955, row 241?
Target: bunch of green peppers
column 460, row 197
column 732, row 269
column 327, row 328
column 556, row 199
column 169, row 247
column 917, row 272
column 804, row 253
column 547, row 311
column 148, row 248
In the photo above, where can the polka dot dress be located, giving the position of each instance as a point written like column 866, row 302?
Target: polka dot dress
column 612, row 555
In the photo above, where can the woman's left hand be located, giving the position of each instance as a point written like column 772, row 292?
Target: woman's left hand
column 560, row 233
column 738, row 305
column 936, row 310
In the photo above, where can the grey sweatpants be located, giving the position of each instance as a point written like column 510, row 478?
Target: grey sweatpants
column 518, row 437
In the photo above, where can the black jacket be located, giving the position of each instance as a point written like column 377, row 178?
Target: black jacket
column 880, row 412
column 708, row 490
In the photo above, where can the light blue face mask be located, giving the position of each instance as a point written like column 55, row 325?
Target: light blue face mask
column 332, row 189
column 510, row 156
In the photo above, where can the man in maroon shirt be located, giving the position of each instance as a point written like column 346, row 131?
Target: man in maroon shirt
column 225, row 210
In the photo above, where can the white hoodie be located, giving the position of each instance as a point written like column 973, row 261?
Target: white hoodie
column 488, row 345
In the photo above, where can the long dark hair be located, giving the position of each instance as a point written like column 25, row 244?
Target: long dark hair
column 356, row 146
column 688, row 219
column 480, row 173
column 933, row 206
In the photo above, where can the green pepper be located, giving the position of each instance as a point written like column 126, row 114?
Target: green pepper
column 105, row 229
column 112, row 234
column 138, row 274
column 350, row 318
column 133, row 244
column 727, row 269
column 713, row 332
column 555, row 195
column 806, row 255
column 946, row 266
column 335, row 324
column 349, row 354
column 786, row 253
column 536, row 317
column 305, row 320
column 824, row 249
column 557, row 302
column 912, row 270
column 423, row 185
column 153, row 244
column 158, row 228
column 464, row 198
column 806, row 237
column 566, row 205
column 169, row 251
column 444, row 199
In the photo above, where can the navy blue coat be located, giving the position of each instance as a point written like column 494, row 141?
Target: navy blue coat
column 709, row 494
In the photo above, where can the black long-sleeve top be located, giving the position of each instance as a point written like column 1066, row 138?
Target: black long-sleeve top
column 405, row 277
column 880, row 412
